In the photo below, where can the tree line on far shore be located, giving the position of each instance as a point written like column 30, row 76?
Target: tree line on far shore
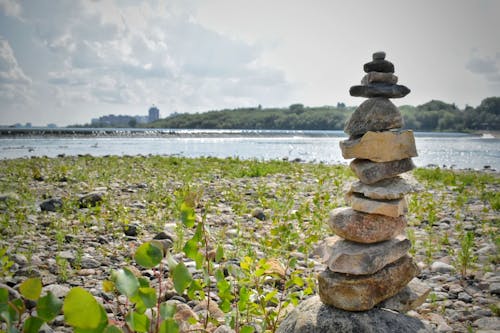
column 432, row 116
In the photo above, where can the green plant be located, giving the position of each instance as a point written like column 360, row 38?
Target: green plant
column 5, row 263
column 465, row 255
column 15, row 314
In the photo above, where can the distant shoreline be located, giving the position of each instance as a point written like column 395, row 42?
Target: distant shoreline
column 35, row 132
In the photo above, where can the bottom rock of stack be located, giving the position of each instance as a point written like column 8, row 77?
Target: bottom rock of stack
column 363, row 292
column 312, row 316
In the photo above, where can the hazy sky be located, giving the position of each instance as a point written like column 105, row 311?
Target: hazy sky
column 67, row 61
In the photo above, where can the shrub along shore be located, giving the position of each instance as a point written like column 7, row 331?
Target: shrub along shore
column 241, row 236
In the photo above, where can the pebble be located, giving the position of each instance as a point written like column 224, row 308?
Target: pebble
column 60, row 291
column 441, row 267
column 494, row 288
column 462, row 301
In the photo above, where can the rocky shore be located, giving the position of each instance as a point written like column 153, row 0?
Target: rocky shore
column 71, row 220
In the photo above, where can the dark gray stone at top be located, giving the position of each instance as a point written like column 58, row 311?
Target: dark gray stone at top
column 379, row 55
column 383, row 66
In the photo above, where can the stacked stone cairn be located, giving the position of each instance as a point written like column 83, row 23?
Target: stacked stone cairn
column 367, row 259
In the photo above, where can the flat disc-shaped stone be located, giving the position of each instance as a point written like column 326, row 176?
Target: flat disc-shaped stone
column 379, row 90
column 387, row 189
column 380, row 146
column 348, row 257
column 393, row 208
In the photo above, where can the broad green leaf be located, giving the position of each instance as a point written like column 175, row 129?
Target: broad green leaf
column 298, row 281
column 247, row 329
column 31, row 288
column 167, row 310
column 182, row 278
column 138, row 322
column 245, row 263
column 198, row 234
column 148, row 255
column 171, row 262
column 219, row 275
column 48, row 307
column 32, row 325
column 143, row 282
column 244, row 298
column 187, row 215
column 191, row 248
column 219, row 253
column 112, row 329
column 270, row 296
column 148, row 297
column 198, row 259
column 259, row 272
column 83, row 312
column 4, row 295
column 225, row 306
column 126, row 282
column 169, row 325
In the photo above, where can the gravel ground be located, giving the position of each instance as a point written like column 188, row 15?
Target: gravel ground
column 277, row 215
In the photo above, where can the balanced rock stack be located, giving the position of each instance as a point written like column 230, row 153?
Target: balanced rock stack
column 368, row 267
column 367, row 261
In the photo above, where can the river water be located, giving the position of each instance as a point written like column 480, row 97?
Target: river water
column 457, row 150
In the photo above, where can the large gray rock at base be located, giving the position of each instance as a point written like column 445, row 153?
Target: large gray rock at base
column 371, row 172
column 364, row 228
column 363, row 292
column 348, row 257
column 381, row 146
column 312, row 316
column 374, row 114
column 393, row 208
column 409, row 298
column 387, row 189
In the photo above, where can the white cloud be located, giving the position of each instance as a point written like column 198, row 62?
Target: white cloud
column 486, row 66
column 14, row 84
column 10, row 7
column 121, row 56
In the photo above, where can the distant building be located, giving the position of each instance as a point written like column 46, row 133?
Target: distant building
column 153, row 114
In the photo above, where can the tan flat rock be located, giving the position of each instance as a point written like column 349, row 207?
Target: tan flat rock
column 364, row 228
column 381, row 146
column 393, row 208
column 363, row 292
column 343, row 256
